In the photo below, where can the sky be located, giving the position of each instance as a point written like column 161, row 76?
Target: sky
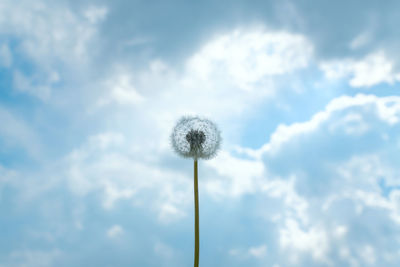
column 306, row 95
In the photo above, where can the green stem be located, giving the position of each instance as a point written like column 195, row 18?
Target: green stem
column 196, row 217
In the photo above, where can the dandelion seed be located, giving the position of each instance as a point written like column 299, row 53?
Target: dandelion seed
column 196, row 138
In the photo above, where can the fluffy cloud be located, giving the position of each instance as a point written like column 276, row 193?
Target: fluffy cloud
column 373, row 69
column 107, row 164
column 345, row 170
column 48, row 43
column 223, row 85
column 247, row 58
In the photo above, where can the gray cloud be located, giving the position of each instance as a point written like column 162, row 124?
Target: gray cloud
column 174, row 30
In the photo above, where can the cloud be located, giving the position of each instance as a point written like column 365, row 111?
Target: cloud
column 352, row 123
column 107, row 164
column 327, row 178
column 96, row 14
column 373, row 69
column 246, row 58
column 48, row 40
column 332, row 183
column 115, row 231
column 119, row 161
column 209, row 83
column 313, row 241
column 120, row 90
column 258, row 252
column 369, row 29
column 236, row 176
column 361, row 40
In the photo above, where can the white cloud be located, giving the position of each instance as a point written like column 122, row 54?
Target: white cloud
column 258, row 252
column 52, row 38
column 239, row 176
column 115, row 231
column 387, row 109
column 368, row 254
column 351, row 124
column 361, row 40
column 120, row 90
column 313, row 240
column 221, row 85
column 340, row 231
column 338, row 189
column 96, row 14
column 373, row 69
column 107, row 163
column 247, row 57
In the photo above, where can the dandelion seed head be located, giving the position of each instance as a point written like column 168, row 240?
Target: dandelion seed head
column 195, row 137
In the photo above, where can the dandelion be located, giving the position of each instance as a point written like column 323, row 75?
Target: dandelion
column 196, row 138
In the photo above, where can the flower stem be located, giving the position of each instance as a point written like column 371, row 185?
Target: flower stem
column 196, row 217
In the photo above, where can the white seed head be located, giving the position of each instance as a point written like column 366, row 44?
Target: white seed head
column 195, row 137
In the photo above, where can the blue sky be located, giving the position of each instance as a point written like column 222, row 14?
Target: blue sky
column 306, row 95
